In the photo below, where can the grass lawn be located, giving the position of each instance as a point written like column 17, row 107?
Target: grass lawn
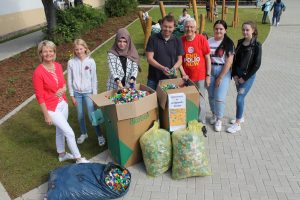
column 27, row 150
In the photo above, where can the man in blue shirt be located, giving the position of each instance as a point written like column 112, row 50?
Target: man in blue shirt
column 164, row 53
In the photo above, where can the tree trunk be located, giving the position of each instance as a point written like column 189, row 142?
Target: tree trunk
column 50, row 13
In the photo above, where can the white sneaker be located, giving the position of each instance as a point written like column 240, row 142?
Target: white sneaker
column 82, row 160
column 234, row 128
column 277, row 24
column 67, row 156
column 218, row 125
column 81, row 139
column 242, row 120
column 213, row 119
column 101, row 141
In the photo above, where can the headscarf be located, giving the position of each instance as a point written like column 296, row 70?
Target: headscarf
column 130, row 51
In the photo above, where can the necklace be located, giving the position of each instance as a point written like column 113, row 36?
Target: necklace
column 49, row 67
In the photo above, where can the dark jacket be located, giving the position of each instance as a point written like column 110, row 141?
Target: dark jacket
column 250, row 59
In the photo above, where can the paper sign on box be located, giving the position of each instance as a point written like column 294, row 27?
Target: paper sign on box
column 177, row 111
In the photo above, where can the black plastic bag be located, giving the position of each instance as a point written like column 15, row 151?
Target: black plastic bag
column 82, row 182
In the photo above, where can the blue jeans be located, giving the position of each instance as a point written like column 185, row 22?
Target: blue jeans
column 242, row 91
column 217, row 95
column 276, row 17
column 152, row 84
column 81, row 99
column 202, row 89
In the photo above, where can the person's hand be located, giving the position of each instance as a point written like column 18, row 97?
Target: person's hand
column 48, row 119
column 166, row 71
column 60, row 92
column 185, row 77
column 218, row 82
column 236, row 80
column 131, row 83
column 172, row 71
column 241, row 81
column 207, row 81
column 74, row 101
column 120, row 85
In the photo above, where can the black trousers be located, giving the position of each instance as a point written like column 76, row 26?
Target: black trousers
column 264, row 17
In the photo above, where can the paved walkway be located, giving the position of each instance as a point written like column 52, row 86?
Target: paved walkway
column 260, row 162
column 18, row 45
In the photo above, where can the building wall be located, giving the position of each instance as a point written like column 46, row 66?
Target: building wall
column 17, row 16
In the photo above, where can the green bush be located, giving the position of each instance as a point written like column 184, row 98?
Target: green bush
column 73, row 22
column 117, row 8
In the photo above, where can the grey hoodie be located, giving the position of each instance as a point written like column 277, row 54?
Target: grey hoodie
column 82, row 77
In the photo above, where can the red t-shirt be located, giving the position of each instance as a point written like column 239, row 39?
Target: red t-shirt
column 193, row 60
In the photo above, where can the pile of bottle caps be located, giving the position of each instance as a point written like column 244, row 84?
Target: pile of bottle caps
column 127, row 95
column 118, row 180
column 169, row 86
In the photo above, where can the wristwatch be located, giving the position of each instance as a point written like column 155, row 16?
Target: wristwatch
column 207, row 74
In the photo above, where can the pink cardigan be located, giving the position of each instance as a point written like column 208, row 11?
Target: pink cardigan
column 45, row 86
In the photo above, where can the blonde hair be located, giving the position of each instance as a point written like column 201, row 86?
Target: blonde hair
column 46, row 43
column 82, row 43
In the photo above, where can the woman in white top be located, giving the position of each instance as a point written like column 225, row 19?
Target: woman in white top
column 82, row 82
column 221, row 52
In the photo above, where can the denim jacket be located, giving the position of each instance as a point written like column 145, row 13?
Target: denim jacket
column 251, row 59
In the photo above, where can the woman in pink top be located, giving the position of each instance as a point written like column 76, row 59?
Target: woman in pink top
column 50, row 90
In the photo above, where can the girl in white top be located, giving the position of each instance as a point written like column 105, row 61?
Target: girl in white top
column 221, row 53
column 82, row 82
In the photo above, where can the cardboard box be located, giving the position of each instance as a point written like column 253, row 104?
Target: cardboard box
column 192, row 96
column 125, row 123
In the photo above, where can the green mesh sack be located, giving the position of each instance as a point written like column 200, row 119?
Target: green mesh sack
column 189, row 155
column 157, row 150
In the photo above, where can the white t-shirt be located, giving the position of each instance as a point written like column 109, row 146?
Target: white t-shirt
column 182, row 18
column 213, row 44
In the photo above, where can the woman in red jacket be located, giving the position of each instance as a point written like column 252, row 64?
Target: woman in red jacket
column 50, row 91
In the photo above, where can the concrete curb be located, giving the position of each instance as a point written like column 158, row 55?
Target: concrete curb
column 3, row 193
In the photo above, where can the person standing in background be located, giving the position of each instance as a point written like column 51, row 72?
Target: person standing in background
column 266, row 9
column 278, row 7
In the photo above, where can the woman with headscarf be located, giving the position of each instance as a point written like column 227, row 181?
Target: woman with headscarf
column 123, row 61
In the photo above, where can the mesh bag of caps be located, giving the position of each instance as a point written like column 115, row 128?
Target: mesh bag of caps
column 157, row 150
column 189, row 155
